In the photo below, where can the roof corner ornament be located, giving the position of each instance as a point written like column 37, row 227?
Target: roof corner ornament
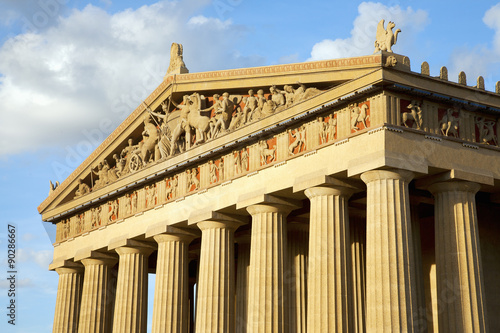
column 385, row 38
column 177, row 65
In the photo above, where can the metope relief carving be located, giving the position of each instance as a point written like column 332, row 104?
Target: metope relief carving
column 413, row 117
column 297, row 140
column 267, row 151
column 486, row 131
column 449, row 123
column 193, row 179
column 359, row 116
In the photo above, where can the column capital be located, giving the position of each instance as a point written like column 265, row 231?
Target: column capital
column 260, row 203
column 211, row 219
column 314, row 180
column 60, row 265
column 126, row 245
column 328, row 190
column 374, row 175
column 455, row 185
column 474, row 176
column 108, row 258
column 162, row 228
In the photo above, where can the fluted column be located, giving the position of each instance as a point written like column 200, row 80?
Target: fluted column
column 69, row 292
column 95, row 307
column 216, row 283
column 130, row 315
column 329, row 307
column 458, row 258
column 171, row 302
column 357, row 228
column 298, row 248
column 391, row 298
column 242, row 273
column 267, row 299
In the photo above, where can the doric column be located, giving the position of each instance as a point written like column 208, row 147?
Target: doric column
column 458, row 258
column 391, row 298
column 357, row 228
column 95, row 307
column 69, row 292
column 298, row 248
column 131, row 304
column 242, row 273
column 329, row 307
column 216, row 282
column 171, row 302
column 267, row 299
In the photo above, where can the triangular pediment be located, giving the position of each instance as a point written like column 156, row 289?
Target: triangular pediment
column 122, row 159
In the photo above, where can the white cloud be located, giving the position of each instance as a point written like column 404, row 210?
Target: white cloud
column 41, row 258
column 480, row 60
column 365, row 26
column 93, row 66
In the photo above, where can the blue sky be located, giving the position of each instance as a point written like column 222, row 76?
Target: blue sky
column 72, row 70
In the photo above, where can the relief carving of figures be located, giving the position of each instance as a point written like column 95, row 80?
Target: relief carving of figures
column 128, row 204
column 278, row 98
column 300, row 139
column 134, row 202
column 486, row 131
column 250, row 105
column 66, row 228
column 212, row 170
column 449, row 123
column 119, row 165
column 332, row 127
column 171, row 189
column 113, row 210
column 266, row 152
column 182, row 128
column 221, row 169
column 95, row 216
column 150, row 137
column 385, row 38
column 294, row 96
column 102, row 175
column 415, row 115
column 126, row 155
column 244, row 159
column 224, row 113
column 164, row 143
column 151, row 195
column 261, row 101
column 82, row 189
column 79, row 223
column 237, row 163
column 112, row 172
column 323, row 129
column 192, row 180
column 358, row 115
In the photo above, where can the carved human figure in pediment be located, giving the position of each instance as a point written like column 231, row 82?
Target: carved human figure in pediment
column 164, row 143
column 182, row 128
column 385, row 38
column 449, row 123
column 261, row 101
column 82, row 189
column 119, row 165
column 250, row 105
column 149, row 138
column 415, row 115
column 278, row 98
column 102, row 174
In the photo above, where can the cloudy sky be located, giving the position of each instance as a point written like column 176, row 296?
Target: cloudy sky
column 72, row 70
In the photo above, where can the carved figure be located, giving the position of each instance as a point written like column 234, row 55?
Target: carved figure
column 164, row 143
column 237, row 163
column 391, row 61
column 268, row 109
column 151, row 195
column 150, row 136
column 332, row 127
column 414, row 115
column 486, row 131
column 266, row 152
column 113, row 210
column 128, row 204
column 126, row 154
column 192, row 179
column 261, row 101
column 79, row 222
column 449, row 123
column 196, row 120
column 212, row 170
column 221, row 169
column 174, row 185
column 66, row 228
column 323, row 129
column 358, row 115
column 103, row 176
column 385, row 38
column 183, row 126
column 224, row 113
column 277, row 98
column 53, row 187
column 250, row 105
column 134, row 202
column 176, row 58
column 300, row 139
column 119, row 165
column 82, row 188
column 244, row 159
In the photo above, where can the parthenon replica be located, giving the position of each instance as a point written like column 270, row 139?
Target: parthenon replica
column 344, row 195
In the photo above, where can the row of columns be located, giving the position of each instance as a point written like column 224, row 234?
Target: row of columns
column 349, row 289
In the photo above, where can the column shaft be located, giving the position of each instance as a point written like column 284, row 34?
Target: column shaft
column 130, row 315
column 329, row 307
column 267, row 299
column 171, row 303
column 357, row 228
column 460, row 285
column 215, row 294
column 391, row 299
column 68, row 300
column 242, row 274
column 95, row 307
column 298, row 249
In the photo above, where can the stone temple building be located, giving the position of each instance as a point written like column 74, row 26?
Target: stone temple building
column 345, row 195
